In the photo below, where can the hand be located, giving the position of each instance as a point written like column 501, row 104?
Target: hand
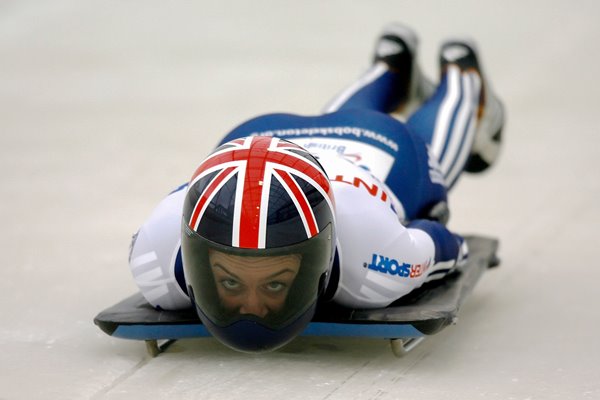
column 439, row 212
column 463, row 252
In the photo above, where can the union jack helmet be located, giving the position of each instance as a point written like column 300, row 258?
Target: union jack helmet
column 258, row 241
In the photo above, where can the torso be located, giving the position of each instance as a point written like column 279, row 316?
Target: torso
column 380, row 177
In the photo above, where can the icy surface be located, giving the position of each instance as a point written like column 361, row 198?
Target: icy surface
column 107, row 106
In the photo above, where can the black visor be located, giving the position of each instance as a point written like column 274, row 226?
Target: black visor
column 273, row 287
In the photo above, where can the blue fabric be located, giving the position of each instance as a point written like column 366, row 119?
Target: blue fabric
column 290, row 126
column 179, row 275
column 409, row 176
column 379, row 95
column 422, row 122
column 180, row 187
column 447, row 244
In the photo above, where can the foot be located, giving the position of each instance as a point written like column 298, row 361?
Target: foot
column 397, row 47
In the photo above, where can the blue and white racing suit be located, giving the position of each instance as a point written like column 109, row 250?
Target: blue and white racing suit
column 388, row 179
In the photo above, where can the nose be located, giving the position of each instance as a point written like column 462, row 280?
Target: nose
column 254, row 305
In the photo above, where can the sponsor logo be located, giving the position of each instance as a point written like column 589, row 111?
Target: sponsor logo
column 325, row 146
column 373, row 189
column 338, row 148
column 341, row 131
column 393, row 267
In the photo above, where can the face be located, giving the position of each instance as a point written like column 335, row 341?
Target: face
column 253, row 285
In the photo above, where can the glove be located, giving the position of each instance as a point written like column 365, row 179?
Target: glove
column 463, row 252
column 439, row 212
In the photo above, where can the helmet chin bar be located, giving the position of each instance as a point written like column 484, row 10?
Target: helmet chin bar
column 248, row 335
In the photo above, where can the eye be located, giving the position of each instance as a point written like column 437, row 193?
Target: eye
column 230, row 284
column 276, row 286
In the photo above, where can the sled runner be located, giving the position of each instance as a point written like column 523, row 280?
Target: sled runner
column 405, row 323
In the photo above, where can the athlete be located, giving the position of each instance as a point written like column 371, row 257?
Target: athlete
column 349, row 206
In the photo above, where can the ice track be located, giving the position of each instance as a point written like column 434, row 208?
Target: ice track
column 107, row 106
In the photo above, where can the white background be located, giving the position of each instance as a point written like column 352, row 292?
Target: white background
column 105, row 106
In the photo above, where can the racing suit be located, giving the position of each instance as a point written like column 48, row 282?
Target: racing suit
column 390, row 181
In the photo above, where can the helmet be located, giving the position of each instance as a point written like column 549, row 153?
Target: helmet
column 258, row 241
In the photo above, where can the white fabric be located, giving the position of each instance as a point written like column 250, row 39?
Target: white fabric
column 369, row 224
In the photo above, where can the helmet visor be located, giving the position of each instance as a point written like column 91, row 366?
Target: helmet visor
column 270, row 286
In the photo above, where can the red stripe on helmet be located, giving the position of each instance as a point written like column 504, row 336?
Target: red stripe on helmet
column 252, row 192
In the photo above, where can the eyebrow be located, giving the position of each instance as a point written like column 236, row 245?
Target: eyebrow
column 283, row 271
column 217, row 265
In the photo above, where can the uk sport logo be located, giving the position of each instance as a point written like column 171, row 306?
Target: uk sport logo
column 393, row 267
column 258, row 168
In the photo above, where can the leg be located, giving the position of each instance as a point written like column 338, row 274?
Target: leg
column 447, row 121
column 394, row 81
column 462, row 117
